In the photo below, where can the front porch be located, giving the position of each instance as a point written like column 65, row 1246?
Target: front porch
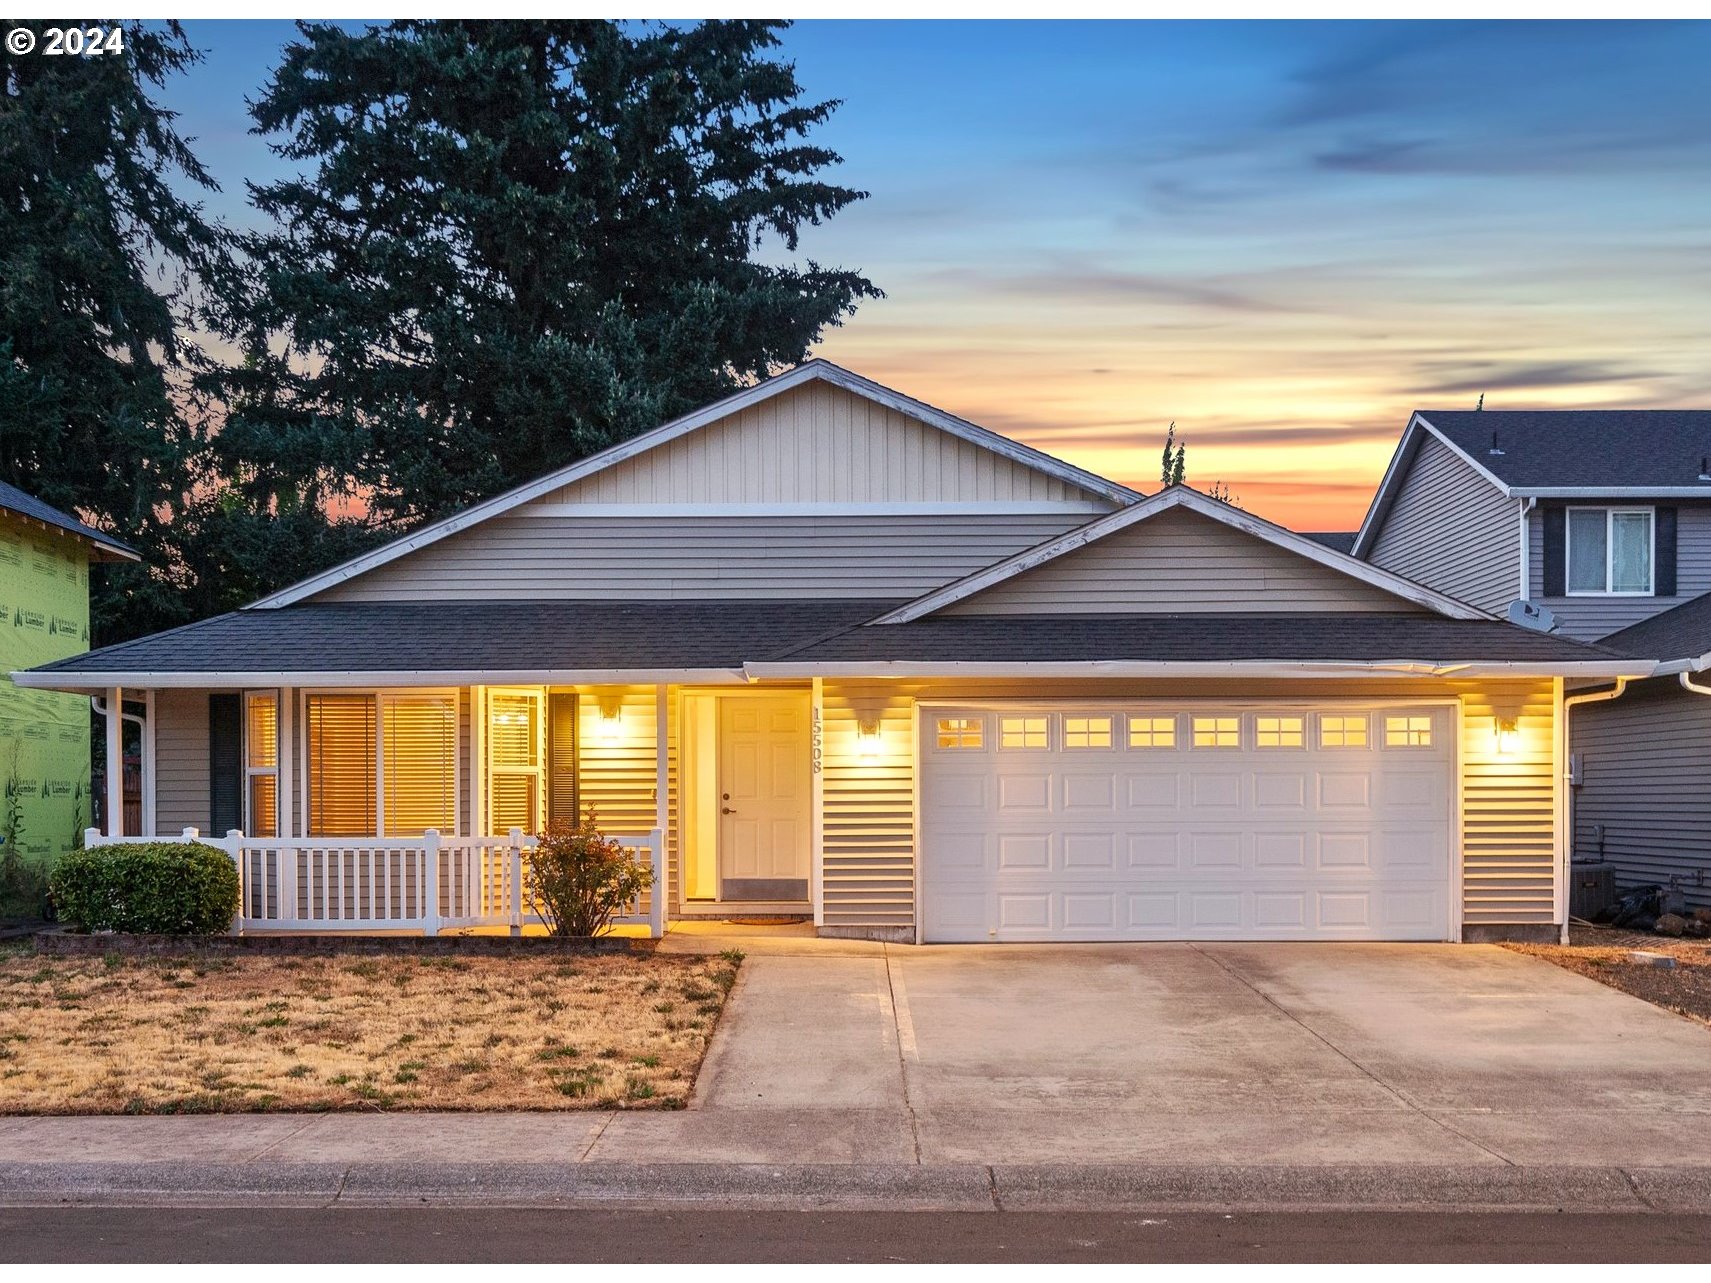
column 414, row 809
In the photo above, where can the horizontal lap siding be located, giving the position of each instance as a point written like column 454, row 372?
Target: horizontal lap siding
column 1509, row 820
column 1451, row 529
column 1180, row 561
column 1589, row 618
column 698, row 557
column 619, row 780
column 181, row 761
column 1644, row 803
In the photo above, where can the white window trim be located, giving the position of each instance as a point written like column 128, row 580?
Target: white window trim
column 380, row 695
column 539, row 770
column 279, row 752
column 1610, row 515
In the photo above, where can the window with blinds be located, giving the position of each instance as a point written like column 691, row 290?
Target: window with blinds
column 514, row 752
column 343, row 762
column 382, row 765
column 418, row 763
column 261, row 764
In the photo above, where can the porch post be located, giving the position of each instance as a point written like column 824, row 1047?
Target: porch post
column 285, row 885
column 431, row 883
column 148, row 764
column 115, row 762
column 817, row 800
column 662, row 810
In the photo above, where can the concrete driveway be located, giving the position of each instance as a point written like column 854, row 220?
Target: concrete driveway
column 1240, row 1054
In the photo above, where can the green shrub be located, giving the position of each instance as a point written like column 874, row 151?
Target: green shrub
column 576, row 879
column 164, row 888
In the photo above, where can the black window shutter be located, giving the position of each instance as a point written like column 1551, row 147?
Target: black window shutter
column 1556, row 551
column 1663, row 581
column 561, row 760
column 225, row 763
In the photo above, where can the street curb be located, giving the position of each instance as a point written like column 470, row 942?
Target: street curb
column 845, row 1187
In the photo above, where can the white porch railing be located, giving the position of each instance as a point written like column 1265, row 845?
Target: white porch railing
column 426, row 884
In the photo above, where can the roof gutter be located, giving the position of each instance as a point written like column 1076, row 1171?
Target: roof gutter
column 92, row 682
column 902, row 668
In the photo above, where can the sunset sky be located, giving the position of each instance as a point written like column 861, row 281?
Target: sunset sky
column 1282, row 236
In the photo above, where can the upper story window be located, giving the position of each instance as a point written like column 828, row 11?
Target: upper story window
column 1610, row 551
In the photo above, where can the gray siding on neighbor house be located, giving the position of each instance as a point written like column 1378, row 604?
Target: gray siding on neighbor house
column 689, row 557
column 1589, row 618
column 1451, row 529
column 1180, row 562
column 1644, row 801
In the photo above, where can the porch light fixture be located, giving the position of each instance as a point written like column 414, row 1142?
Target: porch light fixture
column 1506, row 735
column 609, row 726
column 867, row 741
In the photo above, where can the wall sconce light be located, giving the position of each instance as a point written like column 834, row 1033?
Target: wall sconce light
column 609, row 725
column 1506, row 735
column 867, row 740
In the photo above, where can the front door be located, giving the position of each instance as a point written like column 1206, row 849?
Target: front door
column 763, row 797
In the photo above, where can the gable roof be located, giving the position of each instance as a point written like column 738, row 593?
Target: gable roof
column 1165, row 501
column 1563, row 454
column 810, row 371
column 104, row 546
column 1339, row 540
column 1681, row 632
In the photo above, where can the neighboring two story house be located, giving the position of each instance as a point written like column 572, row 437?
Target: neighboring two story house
column 1602, row 520
column 823, row 650
column 45, row 802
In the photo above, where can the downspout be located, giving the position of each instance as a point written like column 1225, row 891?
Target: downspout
column 1527, row 506
column 1574, row 701
column 1686, row 679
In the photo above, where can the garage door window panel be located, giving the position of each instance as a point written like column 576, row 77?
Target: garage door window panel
column 1279, row 732
column 1024, row 732
column 1152, row 732
column 1342, row 731
column 962, row 732
column 1217, row 732
column 1087, row 732
column 1411, row 731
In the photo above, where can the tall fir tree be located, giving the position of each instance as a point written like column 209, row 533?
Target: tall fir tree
column 513, row 243
column 101, row 258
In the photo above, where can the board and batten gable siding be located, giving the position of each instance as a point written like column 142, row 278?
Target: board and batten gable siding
column 1644, row 800
column 1177, row 562
column 746, row 489
column 1508, row 837
column 1451, row 529
column 1590, row 618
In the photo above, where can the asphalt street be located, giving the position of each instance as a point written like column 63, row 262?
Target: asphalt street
column 391, row 1234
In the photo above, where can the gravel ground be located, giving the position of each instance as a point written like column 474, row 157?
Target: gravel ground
column 1603, row 953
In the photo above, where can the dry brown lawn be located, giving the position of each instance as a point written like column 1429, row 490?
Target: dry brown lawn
column 1602, row 953
column 235, row 1033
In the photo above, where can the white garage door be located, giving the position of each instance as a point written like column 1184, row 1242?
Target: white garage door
column 1187, row 822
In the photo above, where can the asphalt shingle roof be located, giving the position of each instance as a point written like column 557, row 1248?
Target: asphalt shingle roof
column 27, row 505
column 1682, row 632
column 1208, row 637
column 461, row 636
column 1547, row 448
column 1338, row 540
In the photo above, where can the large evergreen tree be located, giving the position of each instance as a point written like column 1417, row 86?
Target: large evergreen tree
column 100, row 259
column 513, row 243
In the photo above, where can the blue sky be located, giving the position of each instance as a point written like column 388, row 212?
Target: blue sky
column 1282, row 236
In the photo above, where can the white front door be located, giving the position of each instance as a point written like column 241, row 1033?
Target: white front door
column 763, row 797
column 1188, row 821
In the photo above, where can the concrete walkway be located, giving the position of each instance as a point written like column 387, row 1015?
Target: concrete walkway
column 1133, row 1076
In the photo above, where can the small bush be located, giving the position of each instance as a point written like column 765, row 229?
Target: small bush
column 576, row 879
column 157, row 888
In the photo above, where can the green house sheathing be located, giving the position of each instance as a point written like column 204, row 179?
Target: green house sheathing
column 44, row 735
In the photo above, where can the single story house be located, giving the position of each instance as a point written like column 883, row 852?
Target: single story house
column 823, row 650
